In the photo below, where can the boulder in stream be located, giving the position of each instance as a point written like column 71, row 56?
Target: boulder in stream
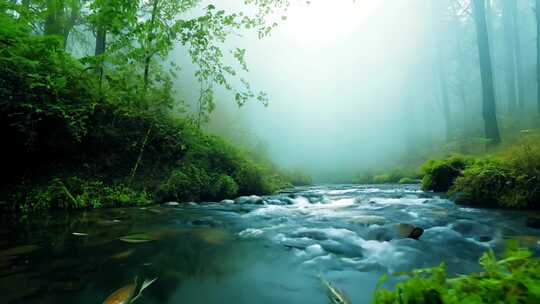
column 409, row 231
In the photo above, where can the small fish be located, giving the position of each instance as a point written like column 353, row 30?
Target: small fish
column 126, row 294
column 335, row 295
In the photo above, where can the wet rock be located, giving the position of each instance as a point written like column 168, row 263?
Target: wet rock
column 484, row 238
column 409, row 231
column 227, row 201
column 533, row 222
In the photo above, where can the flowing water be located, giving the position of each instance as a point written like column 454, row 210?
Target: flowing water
column 253, row 250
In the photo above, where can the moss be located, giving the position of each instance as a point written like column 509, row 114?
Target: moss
column 508, row 181
column 440, row 174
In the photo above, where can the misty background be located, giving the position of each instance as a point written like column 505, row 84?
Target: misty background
column 360, row 85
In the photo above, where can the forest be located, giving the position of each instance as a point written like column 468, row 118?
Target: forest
column 270, row 151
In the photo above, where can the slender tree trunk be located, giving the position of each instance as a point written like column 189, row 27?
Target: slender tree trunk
column 509, row 55
column 101, row 44
column 491, row 34
column 150, row 38
column 54, row 18
column 461, row 86
column 440, row 68
column 538, row 55
column 441, row 75
column 517, row 52
column 488, row 96
column 75, row 10
column 141, row 152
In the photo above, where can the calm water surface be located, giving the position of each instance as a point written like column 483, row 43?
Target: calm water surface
column 254, row 250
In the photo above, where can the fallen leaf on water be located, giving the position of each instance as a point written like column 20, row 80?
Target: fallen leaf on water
column 137, row 238
column 123, row 254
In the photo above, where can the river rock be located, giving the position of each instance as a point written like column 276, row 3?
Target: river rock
column 409, row 231
column 227, row 201
column 533, row 222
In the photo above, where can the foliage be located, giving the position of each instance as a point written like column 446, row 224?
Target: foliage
column 76, row 142
column 297, row 177
column 509, row 180
column 41, row 87
column 406, row 180
column 224, row 187
column 396, row 175
column 441, row 173
column 76, row 193
column 513, row 279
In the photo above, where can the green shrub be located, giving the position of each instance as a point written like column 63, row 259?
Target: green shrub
column 508, row 181
column 483, row 183
column 186, row 184
column 224, row 187
column 381, row 179
column 406, row 180
column 439, row 175
column 513, row 279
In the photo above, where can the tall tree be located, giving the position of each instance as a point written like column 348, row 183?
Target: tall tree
column 509, row 54
column 518, row 54
column 538, row 55
column 438, row 28
column 491, row 127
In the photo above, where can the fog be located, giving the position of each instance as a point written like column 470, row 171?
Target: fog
column 357, row 85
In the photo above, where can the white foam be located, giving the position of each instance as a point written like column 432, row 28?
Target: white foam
column 250, row 233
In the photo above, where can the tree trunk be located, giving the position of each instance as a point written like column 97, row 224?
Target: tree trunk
column 75, row 10
column 101, row 44
column 491, row 34
column 441, row 75
column 488, row 98
column 54, row 18
column 141, row 152
column 517, row 52
column 439, row 67
column 149, row 39
column 509, row 55
column 461, row 85
column 538, row 55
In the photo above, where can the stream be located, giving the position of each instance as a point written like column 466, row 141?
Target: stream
column 251, row 250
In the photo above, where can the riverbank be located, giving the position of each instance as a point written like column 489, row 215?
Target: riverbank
column 506, row 178
column 75, row 139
